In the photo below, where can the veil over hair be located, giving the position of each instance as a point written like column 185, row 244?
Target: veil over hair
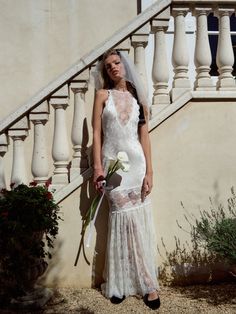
column 131, row 76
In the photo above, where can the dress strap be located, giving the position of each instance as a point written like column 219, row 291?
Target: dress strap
column 108, row 93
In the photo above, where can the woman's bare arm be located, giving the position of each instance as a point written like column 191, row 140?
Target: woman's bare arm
column 100, row 98
column 146, row 145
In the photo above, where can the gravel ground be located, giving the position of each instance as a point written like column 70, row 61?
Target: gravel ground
column 210, row 299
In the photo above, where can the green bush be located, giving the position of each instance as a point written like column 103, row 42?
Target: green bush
column 215, row 230
column 28, row 226
column 211, row 249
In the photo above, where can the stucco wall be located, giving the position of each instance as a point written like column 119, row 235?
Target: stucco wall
column 193, row 159
column 41, row 39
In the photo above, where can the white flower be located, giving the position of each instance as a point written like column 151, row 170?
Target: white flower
column 123, row 161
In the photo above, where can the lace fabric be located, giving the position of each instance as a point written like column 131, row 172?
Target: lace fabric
column 123, row 102
column 130, row 262
column 121, row 200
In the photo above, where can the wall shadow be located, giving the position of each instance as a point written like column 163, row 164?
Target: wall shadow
column 101, row 244
column 87, row 194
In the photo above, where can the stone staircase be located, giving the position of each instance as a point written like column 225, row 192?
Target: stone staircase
column 48, row 137
column 69, row 164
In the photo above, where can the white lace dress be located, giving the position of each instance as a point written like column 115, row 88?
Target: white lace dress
column 130, row 259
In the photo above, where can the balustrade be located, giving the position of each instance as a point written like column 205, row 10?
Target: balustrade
column 79, row 132
column 163, row 94
column 18, row 132
column 60, row 147
column 3, row 150
column 139, row 41
column 225, row 54
column 40, row 167
column 180, row 56
column 202, row 55
column 160, row 71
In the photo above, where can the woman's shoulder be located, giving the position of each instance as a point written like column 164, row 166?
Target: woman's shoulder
column 102, row 94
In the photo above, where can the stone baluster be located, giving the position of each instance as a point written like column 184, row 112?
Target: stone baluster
column 18, row 132
column 160, row 71
column 202, row 57
column 180, row 56
column 225, row 54
column 3, row 150
column 79, row 132
column 124, row 46
column 39, row 166
column 139, row 41
column 60, row 147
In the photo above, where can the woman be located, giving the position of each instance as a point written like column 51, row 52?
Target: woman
column 120, row 123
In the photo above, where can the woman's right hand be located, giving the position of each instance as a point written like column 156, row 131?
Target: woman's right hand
column 98, row 177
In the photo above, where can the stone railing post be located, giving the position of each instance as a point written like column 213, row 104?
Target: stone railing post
column 3, row 150
column 139, row 41
column 60, row 147
column 202, row 56
column 180, row 56
column 124, row 45
column 225, row 54
column 39, row 166
column 160, row 70
column 18, row 132
column 79, row 132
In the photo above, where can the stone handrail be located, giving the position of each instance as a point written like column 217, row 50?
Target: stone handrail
column 199, row 2
column 85, row 62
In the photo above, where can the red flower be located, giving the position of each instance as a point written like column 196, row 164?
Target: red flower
column 12, row 185
column 49, row 195
column 33, row 183
column 47, row 183
column 4, row 214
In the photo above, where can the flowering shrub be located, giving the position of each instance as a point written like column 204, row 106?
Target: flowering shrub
column 26, row 209
column 27, row 213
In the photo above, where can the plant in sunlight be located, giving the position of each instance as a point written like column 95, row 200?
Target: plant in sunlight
column 211, row 254
column 216, row 229
column 28, row 226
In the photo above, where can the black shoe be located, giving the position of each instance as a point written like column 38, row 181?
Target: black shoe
column 116, row 300
column 152, row 304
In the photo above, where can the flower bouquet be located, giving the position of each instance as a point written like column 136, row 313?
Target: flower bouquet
column 121, row 162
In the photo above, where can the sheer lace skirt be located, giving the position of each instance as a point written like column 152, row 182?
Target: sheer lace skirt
column 131, row 260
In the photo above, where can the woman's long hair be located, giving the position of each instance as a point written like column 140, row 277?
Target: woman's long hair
column 109, row 83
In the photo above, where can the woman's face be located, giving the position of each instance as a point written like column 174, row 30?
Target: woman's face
column 114, row 67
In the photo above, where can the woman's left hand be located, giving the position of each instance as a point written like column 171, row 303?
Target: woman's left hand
column 147, row 186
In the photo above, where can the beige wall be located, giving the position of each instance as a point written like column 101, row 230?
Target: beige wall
column 193, row 157
column 88, row 271
column 40, row 39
